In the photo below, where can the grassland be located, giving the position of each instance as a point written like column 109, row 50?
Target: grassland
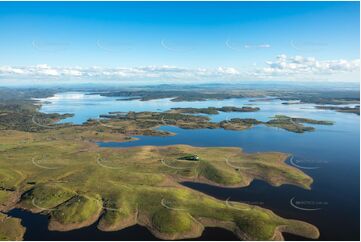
column 59, row 170
column 25, row 117
column 179, row 93
column 355, row 110
column 10, row 228
column 17, row 112
column 295, row 125
column 145, row 122
column 77, row 183
column 214, row 110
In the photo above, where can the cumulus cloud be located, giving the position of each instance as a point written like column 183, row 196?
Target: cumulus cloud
column 299, row 65
column 11, row 70
column 121, row 73
column 284, row 67
column 228, row 70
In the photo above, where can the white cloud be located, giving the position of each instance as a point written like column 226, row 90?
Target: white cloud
column 11, row 70
column 296, row 68
column 228, row 70
column 299, row 66
column 44, row 71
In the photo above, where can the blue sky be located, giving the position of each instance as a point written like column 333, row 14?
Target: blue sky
column 173, row 41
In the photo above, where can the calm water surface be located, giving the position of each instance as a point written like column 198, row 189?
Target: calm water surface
column 37, row 229
column 332, row 150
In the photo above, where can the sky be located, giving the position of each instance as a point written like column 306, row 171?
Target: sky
column 173, row 42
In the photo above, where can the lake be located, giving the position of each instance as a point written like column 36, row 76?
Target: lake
column 330, row 155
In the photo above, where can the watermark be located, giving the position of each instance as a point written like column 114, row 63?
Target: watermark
column 108, row 125
column 98, row 201
column 162, row 160
column 307, row 46
column 47, row 46
column 237, row 168
column 38, row 162
column 41, row 208
column 258, row 46
column 113, row 46
column 239, row 46
column 101, row 162
column 168, row 205
column 251, row 203
column 307, row 205
column 175, row 47
column 306, row 164
column 35, row 121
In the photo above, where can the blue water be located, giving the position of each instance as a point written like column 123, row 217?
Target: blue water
column 37, row 229
column 333, row 149
column 85, row 106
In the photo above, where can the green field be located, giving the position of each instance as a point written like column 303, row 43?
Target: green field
column 59, row 170
column 63, row 173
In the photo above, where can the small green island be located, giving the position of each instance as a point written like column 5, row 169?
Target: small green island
column 146, row 122
column 355, row 110
column 10, row 228
column 214, row 110
column 295, row 124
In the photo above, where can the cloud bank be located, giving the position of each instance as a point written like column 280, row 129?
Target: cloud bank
column 119, row 73
column 282, row 68
column 285, row 65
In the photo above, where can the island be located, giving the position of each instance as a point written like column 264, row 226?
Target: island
column 145, row 122
column 10, row 228
column 295, row 124
column 58, row 169
column 265, row 99
column 355, row 110
column 214, row 110
column 290, row 96
column 64, row 178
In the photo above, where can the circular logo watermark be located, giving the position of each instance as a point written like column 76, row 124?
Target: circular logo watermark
column 40, row 207
column 163, row 161
column 38, row 162
column 47, row 46
column 108, row 125
column 239, row 46
column 306, row 164
column 307, row 205
column 103, row 163
column 307, row 46
column 98, row 201
column 237, row 168
column 254, row 203
column 113, row 46
column 175, row 46
column 168, row 205
column 35, row 121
